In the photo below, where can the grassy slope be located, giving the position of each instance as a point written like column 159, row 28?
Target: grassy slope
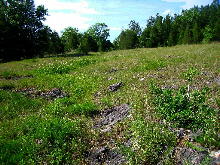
column 86, row 80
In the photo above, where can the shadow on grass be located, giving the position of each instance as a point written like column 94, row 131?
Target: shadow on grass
column 70, row 55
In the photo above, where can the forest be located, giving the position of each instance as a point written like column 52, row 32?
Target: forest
column 23, row 34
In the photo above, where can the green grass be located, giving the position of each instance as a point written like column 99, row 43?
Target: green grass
column 36, row 130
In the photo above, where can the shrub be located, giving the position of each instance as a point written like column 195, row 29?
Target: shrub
column 190, row 74
column 187, row 110
column 151, row 142
column 208, row 34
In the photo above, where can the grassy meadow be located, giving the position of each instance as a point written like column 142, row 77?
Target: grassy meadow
column 171, row 87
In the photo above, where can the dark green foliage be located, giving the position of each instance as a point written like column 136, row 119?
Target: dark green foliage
column 49, row 42
column 55, row 44
column 116, row 43
column 171, row 39
column 84, row 46
column 217, row 30
column 134, row 26
column 99, row 33
column 70, row 38
column 187, row 36
column 40, row 140
column 187, row 110
column 191, row 26
column 208, row 34
column 196, row 33
column 145, row 40
column 20, row 26
column 128, row 39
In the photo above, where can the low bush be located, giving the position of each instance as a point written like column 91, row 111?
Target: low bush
column 190, row 74
column 151, row 142
column 188, row 110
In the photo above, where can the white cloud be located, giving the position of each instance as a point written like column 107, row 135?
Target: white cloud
column 64, row 14
column 59, row 21
column 80, row 7
column 191, row 3
column 168, row 11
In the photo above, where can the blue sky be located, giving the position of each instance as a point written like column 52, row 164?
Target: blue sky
column 115, row 13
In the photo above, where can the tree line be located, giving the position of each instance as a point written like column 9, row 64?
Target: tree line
column 196, row 25
column 23, row 34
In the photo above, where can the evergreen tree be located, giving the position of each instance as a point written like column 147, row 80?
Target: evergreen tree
column 171, row 41
column 134, row 26
column 168, row 35
column 217, row 30
column 187, row 35
column 128, row 39
column 196, row 33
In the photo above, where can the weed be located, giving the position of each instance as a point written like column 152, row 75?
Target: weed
column 65, row 67
column 63, row 107
column 48, row 140
column 190, row 74
column 150, row 65
column 8, row 75
column 151, row 142
column 187, row 110
column 13, row 105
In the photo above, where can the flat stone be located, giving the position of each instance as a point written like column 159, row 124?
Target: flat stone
column 105, row 155
column 111, row 116
column 189, row 155
column 115, row 87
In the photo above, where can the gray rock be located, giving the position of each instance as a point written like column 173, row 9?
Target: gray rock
column 115, row 87
column 50, row 94
column 113, row 70
column 216, row 157
column 105, row 155
column 188, row 155
column 217, row 80
column 54, row 93
column 111, row 116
